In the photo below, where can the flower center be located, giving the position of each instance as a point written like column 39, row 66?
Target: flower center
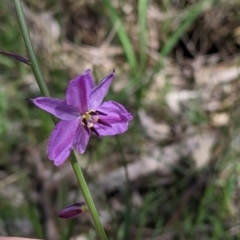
column 91, row 118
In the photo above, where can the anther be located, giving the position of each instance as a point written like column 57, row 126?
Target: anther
column 87, row 129
column 104, row 123
column 95, row 131
column 93, row 113
column 84, row 121
column 101, row 113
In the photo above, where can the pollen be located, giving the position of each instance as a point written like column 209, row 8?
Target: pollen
column 89, row 118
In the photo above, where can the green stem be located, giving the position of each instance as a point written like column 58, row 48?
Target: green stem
column 44, row 90
column 88, row 198
column 33, row 60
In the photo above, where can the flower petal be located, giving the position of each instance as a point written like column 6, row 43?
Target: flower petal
column 79, row 91
column 47, row 104
column 62, row 141
column 100, row 91
column 82, row 139
column 66, row 112
column 117, row 128
column 57, row 107
column 117, row 116
column 116, row 111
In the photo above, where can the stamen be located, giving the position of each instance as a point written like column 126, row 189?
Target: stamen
column 101, row 113
column 84, row 121
column 104, row 123
column 87, row 129
column 92, row 112
column 90, row 118
column 95, row 131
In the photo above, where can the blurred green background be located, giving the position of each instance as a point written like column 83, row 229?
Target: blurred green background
column 175, row 173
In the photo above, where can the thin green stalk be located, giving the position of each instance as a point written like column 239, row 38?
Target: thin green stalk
column 44, row 90
column 128, row 210
column 33, row 60
column 88, row 198
column 142, row 25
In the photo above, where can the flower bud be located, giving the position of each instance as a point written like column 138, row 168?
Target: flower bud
column 15, row 56
column 73, row 210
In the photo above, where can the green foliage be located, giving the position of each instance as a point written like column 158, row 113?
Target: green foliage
column 122, row 34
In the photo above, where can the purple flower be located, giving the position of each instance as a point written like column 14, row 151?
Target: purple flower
column 81, row 113
column 73, row 210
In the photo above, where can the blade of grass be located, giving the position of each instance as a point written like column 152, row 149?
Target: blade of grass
column 203, row 210
column 157, row 228
column 34, row 218
column 191, row 15
column 189, row 18
column 142, row 25
column 122, row 34
column 146, row 209
column 128, row 209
